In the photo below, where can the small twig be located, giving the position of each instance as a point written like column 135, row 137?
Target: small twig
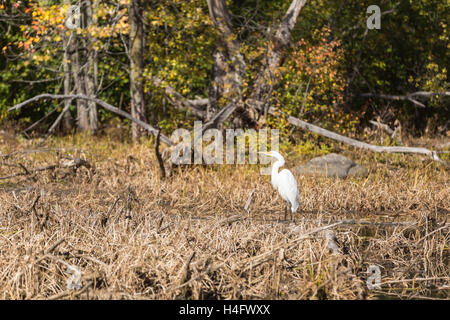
column 53, row 247
column 70, row 292
column 24, row 168
column 158, row 155
column 415, row 279
column 165, row 228
column 158, row 227
column 257, row 260
column 32, row 208
column 230, row 220
column 50, row 167
column 105, row 218
column 247, row 204
column 429, row 234
column 183, row 276
column 49, row 251
column 95, row 260
column 380, row 224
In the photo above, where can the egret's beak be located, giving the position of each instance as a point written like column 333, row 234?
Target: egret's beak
column 267, row 154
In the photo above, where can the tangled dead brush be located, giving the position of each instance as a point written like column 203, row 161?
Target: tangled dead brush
column 211, row 232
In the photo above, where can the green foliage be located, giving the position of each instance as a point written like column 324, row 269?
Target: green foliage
column 181, row 40
column 312, row 83
column 305, row 148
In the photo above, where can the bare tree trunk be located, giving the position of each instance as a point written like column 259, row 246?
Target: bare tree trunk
column 229, row 65
column 90, row 72
column 266, row 79
column 136, row 65
column 68, row 120
column 216, row 84
column 82, row 110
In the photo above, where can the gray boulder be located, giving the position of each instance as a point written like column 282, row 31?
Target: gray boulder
column 332, row 165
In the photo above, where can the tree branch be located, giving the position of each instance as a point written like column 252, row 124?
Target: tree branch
column 197, row 107
column 408, row 97
column 358, row 144
column 383, row 126
column 283, row 33
column 101, row 103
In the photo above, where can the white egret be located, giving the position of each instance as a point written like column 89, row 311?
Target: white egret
column 284, row 181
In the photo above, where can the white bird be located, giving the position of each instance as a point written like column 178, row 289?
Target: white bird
column 284, row 181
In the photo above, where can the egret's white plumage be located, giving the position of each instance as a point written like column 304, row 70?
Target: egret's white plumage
column 284, row 181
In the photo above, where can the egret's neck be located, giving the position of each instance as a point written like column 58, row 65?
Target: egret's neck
column 277, row 165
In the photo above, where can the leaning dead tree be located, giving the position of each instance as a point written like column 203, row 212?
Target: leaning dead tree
column 229, row 66
column 279, row 43
column 355, row 143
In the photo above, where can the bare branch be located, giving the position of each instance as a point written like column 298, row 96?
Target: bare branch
column 35, row 81
column 197, row 107
column 74, row 163
column 57, row 121
column 283, row 33
column 220, row 116
column 408, row 97
column 358, row 144
column 101, row 103
column 383, row 126
column 220, row 16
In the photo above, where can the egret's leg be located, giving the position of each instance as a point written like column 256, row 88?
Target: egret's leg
column 285, row 210
column 289, row 209
column 293, row 217
column 279, row 217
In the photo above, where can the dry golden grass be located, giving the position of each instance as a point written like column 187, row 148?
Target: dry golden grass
column 133, row 235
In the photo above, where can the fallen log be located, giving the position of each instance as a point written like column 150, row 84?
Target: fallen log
column 358, row 144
